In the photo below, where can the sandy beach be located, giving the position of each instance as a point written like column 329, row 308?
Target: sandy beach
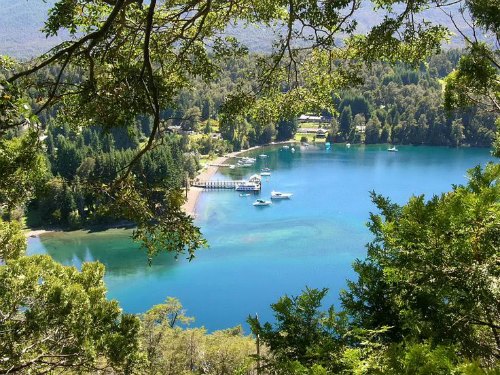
column 36, row 232
column 194, row 192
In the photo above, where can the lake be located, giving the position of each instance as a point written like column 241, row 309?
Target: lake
column 258, row 254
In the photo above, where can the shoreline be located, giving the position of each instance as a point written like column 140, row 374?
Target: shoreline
column 189, row 207
column 208, row 171
column 37, row 232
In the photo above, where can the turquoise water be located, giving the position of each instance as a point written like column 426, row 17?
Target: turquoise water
column 258, row 254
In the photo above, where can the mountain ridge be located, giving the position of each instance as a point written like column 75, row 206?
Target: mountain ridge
column 22, row 22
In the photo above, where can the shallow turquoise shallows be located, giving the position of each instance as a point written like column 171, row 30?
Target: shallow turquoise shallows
column 258, row 254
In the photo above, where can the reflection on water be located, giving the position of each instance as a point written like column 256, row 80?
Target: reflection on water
column 114, row 248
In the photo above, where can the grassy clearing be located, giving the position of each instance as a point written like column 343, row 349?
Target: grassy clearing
column 311, row 138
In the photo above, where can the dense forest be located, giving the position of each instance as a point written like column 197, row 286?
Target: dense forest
column 397, row 104
column 110, row 123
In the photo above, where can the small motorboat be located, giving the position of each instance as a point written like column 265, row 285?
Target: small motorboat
column 347, row 145
column 232, row 166
column 392, row 149
column 262, row 202
column 265, row 170
column 265, row 173
column 244, row 194
column 263, row 156
column 292, row 149
column 286, row 147
column 279, row 195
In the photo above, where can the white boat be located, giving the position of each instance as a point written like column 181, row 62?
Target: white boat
column 263, row 156
column 247, row 186
column 279, row 195
column 265, row 173
column 261, row 202
column 292, row 149
column 265, row 170
column 252, row 184
column 392, row 149
column 347, row 145
column 232, row 166
column 244, row 194
column 286, row 147
column 248, row 159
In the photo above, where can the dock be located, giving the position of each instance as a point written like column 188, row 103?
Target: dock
column 226, row 184
column 217, row 184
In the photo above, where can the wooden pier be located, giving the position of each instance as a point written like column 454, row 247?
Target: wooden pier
column 217, row 184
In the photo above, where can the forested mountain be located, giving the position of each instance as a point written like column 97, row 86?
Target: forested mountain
column 22, row 20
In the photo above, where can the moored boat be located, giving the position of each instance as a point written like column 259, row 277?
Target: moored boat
column 280, row 195
column 247, row 186
column 261, row 202
column 392, row 149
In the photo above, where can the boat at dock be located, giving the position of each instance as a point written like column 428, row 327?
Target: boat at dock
column 280, row 195
column 252, row 184
column 247, row 186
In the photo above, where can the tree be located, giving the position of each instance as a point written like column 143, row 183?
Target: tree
column 208, row 128
column 54, row 317
column 191, row 119
column 68, row 159
column 372, row 132
column 457, row 132
column 286, row 129
column 172, row 350
column 12, row 241
column 345, row 122
column 303, row 332
column 385, row 134
column 333, row 130
column 156, row 322
column 431, row 269
column 358, row 125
